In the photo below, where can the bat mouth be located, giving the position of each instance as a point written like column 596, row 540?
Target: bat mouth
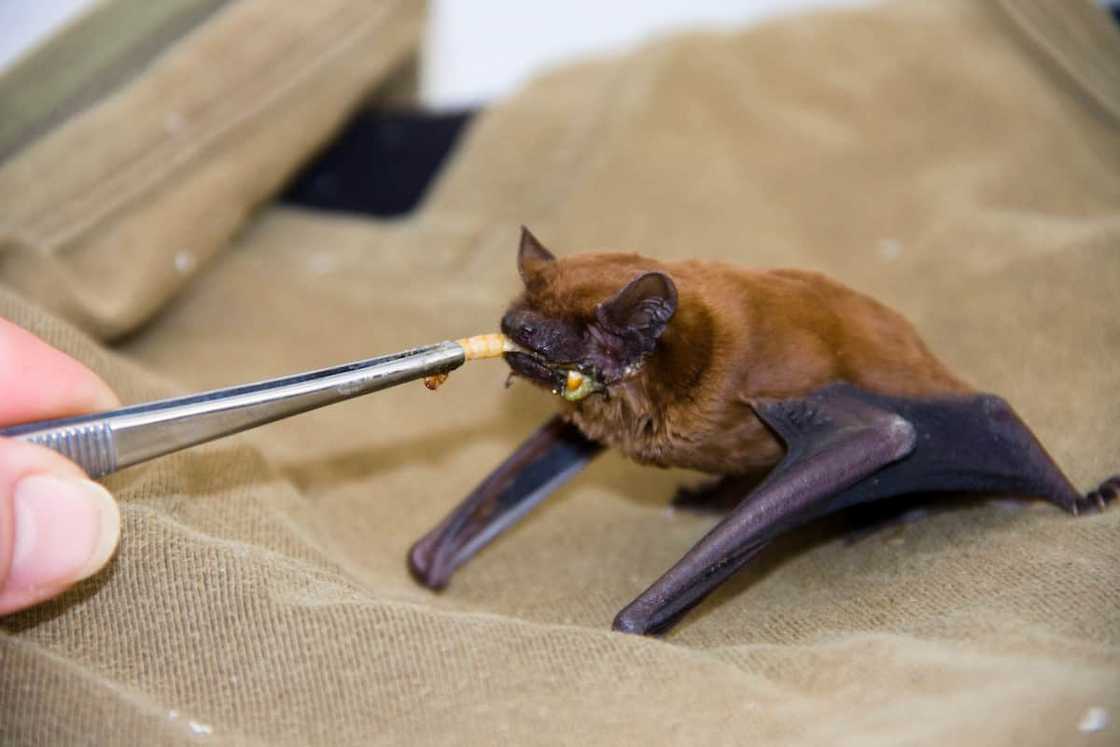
column 568, row 380
column 535, row 367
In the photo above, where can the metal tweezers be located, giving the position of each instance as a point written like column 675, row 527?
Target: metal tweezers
column 108, row 441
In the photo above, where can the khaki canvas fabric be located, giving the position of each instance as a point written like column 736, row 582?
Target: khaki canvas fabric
column 958, row 160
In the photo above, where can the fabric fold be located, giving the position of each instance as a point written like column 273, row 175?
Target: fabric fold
column 126, row 201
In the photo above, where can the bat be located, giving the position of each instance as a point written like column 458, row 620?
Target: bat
column 804, row 396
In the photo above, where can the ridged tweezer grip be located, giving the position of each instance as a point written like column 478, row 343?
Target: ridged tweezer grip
column 90, row 445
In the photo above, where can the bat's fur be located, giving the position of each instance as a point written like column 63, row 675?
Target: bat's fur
column 676, row 393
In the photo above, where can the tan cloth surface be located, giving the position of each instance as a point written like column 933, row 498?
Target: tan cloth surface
column 935, row 155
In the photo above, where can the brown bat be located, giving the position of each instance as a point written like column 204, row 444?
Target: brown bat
column 829, row 394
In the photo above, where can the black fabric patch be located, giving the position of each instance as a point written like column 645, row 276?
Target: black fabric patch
column 382, row 163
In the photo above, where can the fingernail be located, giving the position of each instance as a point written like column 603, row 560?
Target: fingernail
column 66, row 529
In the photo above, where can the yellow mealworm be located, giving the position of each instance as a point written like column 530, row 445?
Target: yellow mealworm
column 476, row 348
column 487, row 346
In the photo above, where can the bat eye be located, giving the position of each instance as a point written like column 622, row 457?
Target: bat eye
column 519, row 324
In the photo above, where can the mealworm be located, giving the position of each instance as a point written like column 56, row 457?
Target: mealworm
column 487, row 346
column 476, row 348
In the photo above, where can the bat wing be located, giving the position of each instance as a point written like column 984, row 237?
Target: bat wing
column 545, row 461
column 847, row 446
column 844, row 446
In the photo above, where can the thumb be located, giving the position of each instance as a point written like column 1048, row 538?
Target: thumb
column 57, row 527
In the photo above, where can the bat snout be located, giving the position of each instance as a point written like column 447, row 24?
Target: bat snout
column 521, row 326
column 551, row 341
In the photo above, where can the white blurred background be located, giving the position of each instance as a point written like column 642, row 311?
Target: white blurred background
column 24, row 23
column 478, row 50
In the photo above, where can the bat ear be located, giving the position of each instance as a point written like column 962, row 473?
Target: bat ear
column 643, row 307
column 531, row 254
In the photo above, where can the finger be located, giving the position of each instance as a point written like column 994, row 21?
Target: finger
column 40, row 382
column 57, row 527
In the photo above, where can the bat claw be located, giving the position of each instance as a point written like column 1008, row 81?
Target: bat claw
column 1099, row 498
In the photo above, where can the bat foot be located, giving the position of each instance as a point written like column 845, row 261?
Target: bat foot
column 716, row 496
column 1097, row 499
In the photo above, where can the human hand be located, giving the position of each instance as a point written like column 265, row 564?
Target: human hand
column 57, row 527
